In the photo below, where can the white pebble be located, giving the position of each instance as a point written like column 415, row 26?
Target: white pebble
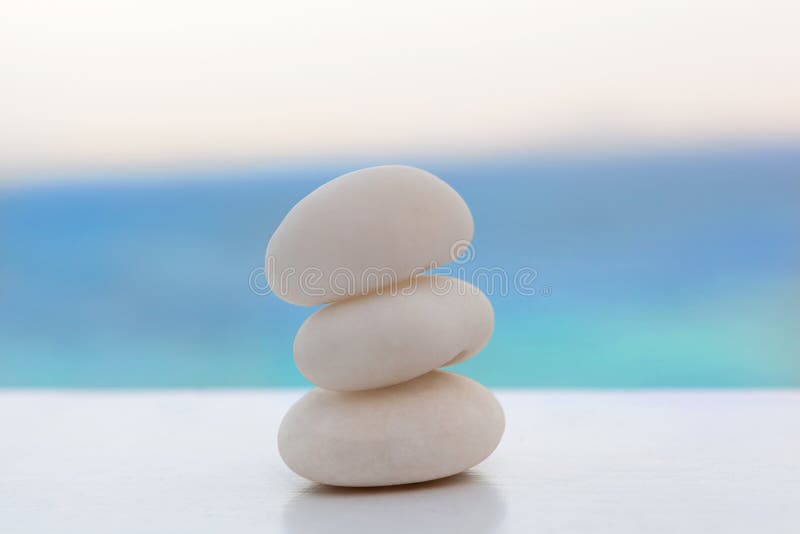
column 342, row 238
column 431, row 427
column 384, row 339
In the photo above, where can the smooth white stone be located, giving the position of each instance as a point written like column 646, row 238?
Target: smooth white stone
column 431, row 427
column 343, row 237
column 386, row 338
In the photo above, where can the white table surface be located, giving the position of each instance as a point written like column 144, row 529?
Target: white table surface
column 197, row 462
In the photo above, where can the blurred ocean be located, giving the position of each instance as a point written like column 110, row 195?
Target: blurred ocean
column 660, row 270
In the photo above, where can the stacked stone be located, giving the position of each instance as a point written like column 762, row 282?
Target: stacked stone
column 382, row 413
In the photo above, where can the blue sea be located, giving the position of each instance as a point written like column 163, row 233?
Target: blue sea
column 670, row 269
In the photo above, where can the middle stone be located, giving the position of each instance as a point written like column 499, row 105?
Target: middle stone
column 383, row 339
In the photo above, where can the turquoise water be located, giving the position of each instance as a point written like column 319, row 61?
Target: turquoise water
column 660, row 270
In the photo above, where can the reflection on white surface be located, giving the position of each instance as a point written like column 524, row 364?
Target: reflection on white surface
column 570, row 462
column 464, row 504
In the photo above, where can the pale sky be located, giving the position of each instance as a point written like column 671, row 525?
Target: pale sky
column 90, row 83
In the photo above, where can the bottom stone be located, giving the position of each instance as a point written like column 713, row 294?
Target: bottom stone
column 431, row 427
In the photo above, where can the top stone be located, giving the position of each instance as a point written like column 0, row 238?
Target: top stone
column 365, row 230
